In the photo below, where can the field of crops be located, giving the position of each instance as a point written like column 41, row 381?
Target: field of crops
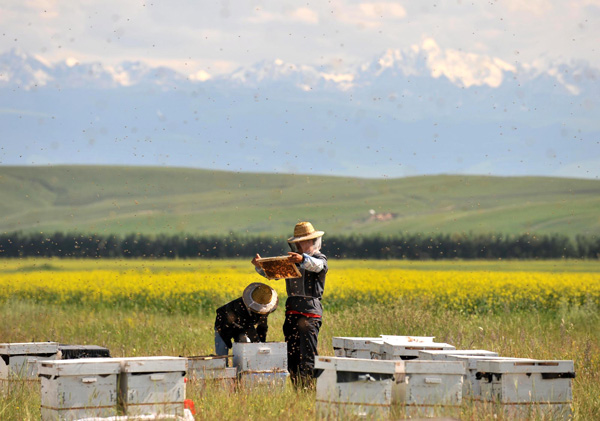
column 186, row 286
column 530, row 309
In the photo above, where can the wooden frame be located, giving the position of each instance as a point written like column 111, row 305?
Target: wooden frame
column 279, row 267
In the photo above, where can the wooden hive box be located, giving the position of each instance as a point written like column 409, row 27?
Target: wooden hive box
column 78, row 388
column 260, row 356
column 152, row 385
column 19, row 360
column 374, row 387
column 525, row 388
column 471, row 384
column 275, row 380
column 261, row 364
column 69, row 352
column 211, row 368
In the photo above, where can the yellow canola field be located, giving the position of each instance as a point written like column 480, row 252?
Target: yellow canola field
column 172, row 286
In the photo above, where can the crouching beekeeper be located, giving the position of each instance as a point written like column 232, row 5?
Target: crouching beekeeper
column 245, row 319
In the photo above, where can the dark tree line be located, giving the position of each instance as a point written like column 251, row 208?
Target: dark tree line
column 397, row 246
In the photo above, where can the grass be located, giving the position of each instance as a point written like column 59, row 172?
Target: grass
column 568, row 332
column 121, row 200
column 210, row 265
column 571, row 333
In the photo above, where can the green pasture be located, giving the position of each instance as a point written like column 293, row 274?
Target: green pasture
column 123, row 200
column 570, row 334
column 214, row 265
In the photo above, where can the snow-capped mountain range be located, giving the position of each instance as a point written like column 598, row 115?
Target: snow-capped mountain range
column 19, row 69
column 416, row 110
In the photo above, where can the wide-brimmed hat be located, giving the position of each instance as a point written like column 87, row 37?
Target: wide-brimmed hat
column 260, row 298
column 304, row 231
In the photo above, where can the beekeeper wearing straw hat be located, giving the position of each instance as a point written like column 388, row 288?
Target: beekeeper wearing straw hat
column 245, row 319
column 303, row 308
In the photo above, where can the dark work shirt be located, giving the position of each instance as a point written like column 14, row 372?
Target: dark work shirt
column 234, row 319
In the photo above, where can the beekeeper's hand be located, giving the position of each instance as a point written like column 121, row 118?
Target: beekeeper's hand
column 254, row 262
column 295, row 257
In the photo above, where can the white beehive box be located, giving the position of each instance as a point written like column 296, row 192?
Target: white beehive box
column 471, row 385
column 206, row 363
column 358, row 347
column 81, row 388
column 152, row 385
column 399, row 349
column 276, row 380
column 525, row 385
column 368, row 387
column 260, row 356
column 20, row 359
column 352, row 346
column 210, row 368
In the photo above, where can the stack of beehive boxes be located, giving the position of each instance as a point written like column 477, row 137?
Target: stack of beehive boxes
column 373, row 388
column 518, row 386
column 262, row 363
column 528, row 388
column 18, row 360
column 101, row 387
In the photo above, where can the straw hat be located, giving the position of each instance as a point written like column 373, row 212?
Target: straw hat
column 304, row 231
column 260, row 298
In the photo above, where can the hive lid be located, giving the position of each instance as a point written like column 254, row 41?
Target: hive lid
column 79, row 367
column 28, row 348
column 352, row 341
column 433, row 367
column 325, row 363
column 362, row 365
column 471, row 360
column 441, row 354
column 397, row 347
column 525, row 366
column 153, row 364
column 367, row 366
column 358, row 343
column 407, row 338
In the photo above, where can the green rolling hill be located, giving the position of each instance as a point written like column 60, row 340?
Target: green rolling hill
column 153, row 200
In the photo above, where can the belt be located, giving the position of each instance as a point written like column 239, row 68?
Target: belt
column 315, row 316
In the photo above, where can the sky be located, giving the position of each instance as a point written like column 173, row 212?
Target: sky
column 207, row 38
column 203, row 39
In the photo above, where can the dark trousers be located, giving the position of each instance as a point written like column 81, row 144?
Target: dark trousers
column 301, row 334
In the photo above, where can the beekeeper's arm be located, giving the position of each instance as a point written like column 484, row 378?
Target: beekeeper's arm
column 307, row 262
column 257, row 267
column 262, row 327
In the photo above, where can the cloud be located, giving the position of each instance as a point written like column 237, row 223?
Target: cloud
column 370, row 15
column 536, row 7
column 301, row 15
column 47, row 9
column 380, row 10
column 305, row 15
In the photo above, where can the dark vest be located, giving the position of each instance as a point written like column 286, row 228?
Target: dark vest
column 305, row 293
